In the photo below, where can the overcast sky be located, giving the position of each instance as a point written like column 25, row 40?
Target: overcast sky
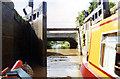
column 60, row 13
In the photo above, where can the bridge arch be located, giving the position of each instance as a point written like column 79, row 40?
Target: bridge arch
column 72, row 41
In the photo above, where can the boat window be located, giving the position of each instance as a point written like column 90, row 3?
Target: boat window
column 84, row 40
column 99, row 2
column 34, row 16
column 100, row 12
column 110, row 53
column 93, row 17
column 110, row 39
column 96, row 15
column 37, row 14
column 117, row 61
column 108, row 58
column 30, row 18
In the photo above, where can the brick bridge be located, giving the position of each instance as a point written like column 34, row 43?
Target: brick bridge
column 67, row 34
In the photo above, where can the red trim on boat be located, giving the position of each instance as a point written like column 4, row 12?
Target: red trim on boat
column 13, row 77
column 118, row 52
column 102, row 70
column 106, row 22
column 85, row 70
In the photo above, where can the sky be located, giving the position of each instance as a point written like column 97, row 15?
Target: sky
column 60, row 13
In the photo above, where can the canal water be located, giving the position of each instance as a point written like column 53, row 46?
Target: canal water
column 63, row 63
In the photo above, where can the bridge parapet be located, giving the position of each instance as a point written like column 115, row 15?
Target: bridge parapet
column 62, row 35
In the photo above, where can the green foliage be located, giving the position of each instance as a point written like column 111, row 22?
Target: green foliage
column 111, row 5
column 81, row 16
column 64, row 44
column 93, row 5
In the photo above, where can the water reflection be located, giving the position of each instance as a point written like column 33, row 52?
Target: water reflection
column 56, row 46
column 62, row 52
column 63, row 62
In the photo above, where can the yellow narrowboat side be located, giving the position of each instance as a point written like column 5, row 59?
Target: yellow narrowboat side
column 108, row 25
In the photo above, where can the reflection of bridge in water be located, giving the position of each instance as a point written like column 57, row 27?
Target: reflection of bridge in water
column 64, row 34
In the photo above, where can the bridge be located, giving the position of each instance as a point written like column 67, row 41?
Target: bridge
column 64, row 34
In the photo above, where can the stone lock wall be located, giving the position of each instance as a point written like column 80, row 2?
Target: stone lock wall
column 19, row 41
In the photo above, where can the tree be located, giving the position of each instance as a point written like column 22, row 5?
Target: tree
column 80, row 18
column 111, row 5
column 93, row 5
